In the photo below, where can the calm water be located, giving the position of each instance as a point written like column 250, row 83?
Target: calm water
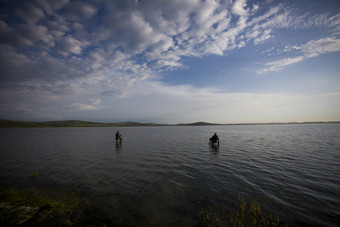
column 167, row 175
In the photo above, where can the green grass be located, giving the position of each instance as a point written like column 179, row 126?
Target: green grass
column 245, row 214
column 41, row 206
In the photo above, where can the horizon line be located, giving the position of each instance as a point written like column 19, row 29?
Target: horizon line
column 178, row 124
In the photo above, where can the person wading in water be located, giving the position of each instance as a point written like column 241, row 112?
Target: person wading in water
column 119, row 137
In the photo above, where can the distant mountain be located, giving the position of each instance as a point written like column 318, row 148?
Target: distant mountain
column 133, row 124
column 200, row 123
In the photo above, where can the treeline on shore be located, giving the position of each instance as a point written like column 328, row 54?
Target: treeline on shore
column 68, row 123
column 77, row 123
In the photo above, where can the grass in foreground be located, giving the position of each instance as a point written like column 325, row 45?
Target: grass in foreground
column 244, row 214
column 41, row 206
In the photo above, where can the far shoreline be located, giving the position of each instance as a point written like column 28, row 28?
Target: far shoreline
column 77, row 123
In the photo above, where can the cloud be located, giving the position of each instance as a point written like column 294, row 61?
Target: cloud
column 159, row 102
column 279, row 64
column 69, row 45
column 264, row 36
column 311, row 49
column 157, row 33
column 160, row 33
column 167, row 64
column 239, row 7
column 110, row 50
column 315, row 48
column 26, row 36
column 335, row 22
column 82, row 106
column 77, row 11
column 50, row 7
column 265, row 17
column 29, row 13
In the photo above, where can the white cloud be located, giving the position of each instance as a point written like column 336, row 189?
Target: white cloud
column 316, row 47
column 311, row 49
column 162, row 32
column 335, row 22
column 264, row 36
column 107, row 50
column 96, row 101
column 253, row 34
column 206, row 11
column 167, row 64
column 239, row 7
column 82, row 106
column 69, row 45
column 255, row 7
column 279, row 64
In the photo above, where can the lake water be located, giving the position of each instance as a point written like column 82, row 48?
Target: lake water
column 167, row 175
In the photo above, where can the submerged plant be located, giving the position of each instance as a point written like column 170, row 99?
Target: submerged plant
column 33, row 174
column 211, row 218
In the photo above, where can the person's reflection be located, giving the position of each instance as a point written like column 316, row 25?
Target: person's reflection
column 118, row 147
column 214, row 150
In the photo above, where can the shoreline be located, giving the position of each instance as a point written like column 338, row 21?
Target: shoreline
column 40, row 205
column 77, row 123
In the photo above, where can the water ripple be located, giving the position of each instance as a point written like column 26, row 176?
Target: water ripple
column 172, row 173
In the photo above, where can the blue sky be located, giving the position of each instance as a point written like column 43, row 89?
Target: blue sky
column 170, row 61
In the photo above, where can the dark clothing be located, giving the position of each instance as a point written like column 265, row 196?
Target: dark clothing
column 118, row 136
column 214, row 138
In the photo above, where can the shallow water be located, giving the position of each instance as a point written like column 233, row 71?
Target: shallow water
column 167, row 175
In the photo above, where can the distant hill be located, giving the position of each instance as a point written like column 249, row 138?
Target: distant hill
column 200, row 123
column 69, row 123
column 132, row 124
column 37, row 124
column 77, row 123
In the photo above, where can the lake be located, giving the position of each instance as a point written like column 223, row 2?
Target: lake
column 166, row 175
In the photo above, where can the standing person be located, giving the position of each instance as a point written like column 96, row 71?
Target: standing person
column 214, row 138
column 118, row 137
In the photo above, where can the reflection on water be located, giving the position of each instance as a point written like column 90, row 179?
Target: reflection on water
column 214, row 149
column 168, row 175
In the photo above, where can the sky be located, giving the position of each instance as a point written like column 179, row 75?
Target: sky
column 170, row 61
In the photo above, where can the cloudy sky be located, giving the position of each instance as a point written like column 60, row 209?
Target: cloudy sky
column 170, row 61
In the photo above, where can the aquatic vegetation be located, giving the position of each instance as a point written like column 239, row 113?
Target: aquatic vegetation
column 244, row 214
column 35, row 206
column 33, row 174
column 211, row 218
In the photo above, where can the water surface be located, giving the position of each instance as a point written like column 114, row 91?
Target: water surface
column 167, row 175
